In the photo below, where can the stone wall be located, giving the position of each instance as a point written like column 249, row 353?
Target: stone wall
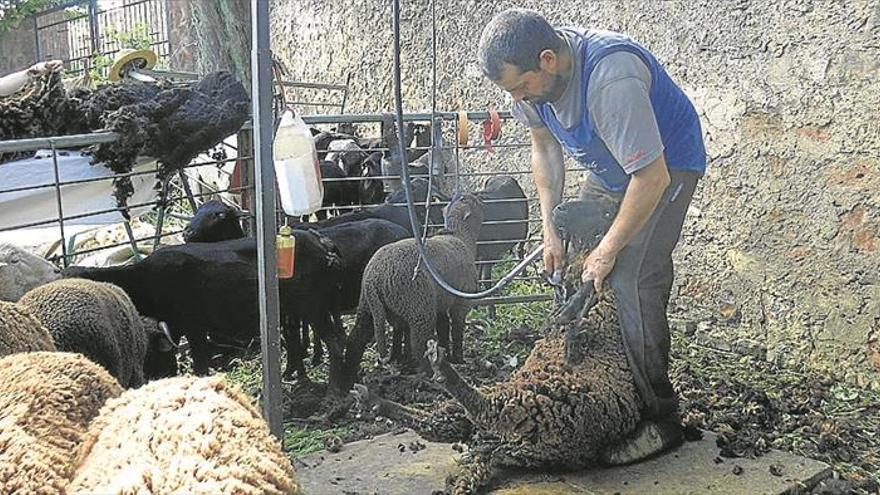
column 780, row 253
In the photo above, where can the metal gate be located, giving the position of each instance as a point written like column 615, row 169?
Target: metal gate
column 86, row 34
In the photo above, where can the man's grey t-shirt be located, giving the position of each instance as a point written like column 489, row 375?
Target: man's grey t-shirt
column 619, row 104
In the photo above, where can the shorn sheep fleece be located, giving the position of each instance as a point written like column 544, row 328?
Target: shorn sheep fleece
column 21, row 331
column 182, row 435
column 47, row 400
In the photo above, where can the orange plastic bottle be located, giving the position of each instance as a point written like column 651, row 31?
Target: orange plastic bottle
column 285, row 248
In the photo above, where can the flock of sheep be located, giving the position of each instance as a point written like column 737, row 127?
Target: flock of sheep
column 75, row 341
column 73, row 420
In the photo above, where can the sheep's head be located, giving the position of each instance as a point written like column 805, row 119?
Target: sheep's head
column 464, row 214
column 21, row 271
column 160, row 360
column 371, row 191
column 214, row 221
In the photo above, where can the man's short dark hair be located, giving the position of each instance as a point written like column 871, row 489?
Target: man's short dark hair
column 516, row 37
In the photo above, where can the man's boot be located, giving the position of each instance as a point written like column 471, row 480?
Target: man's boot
column 652, row 437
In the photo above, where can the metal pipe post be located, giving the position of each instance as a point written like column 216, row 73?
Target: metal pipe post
column 261, row 97
column 66, row 259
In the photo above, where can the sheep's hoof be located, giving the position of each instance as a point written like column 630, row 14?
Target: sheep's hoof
column 436, row 356
column 650, row 439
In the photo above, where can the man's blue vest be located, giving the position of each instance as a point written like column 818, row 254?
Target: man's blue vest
column 678, row 121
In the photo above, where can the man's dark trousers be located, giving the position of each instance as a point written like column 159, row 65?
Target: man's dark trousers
column 642, row 280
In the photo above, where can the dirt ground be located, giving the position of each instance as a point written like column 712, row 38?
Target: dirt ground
column 752, row 405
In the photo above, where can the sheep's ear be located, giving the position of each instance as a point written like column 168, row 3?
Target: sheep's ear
column 3, row 263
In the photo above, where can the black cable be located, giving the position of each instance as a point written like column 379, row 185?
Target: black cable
column 410, row 207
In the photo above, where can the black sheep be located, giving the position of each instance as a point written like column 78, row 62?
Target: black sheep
column 198, row 289
column 506, row 223
column 336, row 192
column 371, row 191
column 317, row 297
column 393, row 210
column 214, row 221
column 205, row 290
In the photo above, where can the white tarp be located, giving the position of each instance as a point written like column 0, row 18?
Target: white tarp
column 36, row 205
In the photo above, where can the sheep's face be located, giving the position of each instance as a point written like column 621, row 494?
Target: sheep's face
column 371, row 191
column 584, row 222
column 213, row 222
column 464, row 214
column 21, row 271
column 161, row 358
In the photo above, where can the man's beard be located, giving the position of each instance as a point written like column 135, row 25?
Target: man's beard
column 555, row 88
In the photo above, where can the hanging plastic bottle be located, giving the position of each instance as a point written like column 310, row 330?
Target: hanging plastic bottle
column 285, row 250
column 296, row 167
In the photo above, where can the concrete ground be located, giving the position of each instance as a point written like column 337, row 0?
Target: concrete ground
column 404, row 464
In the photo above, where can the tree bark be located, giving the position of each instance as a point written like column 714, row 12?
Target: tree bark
column 211, row 35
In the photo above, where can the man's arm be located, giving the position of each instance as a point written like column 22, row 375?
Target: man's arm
column 646, row 187
column 549, row 171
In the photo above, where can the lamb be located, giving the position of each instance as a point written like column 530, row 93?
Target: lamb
column 371, row 191
column 182, row 435
column 419, row 166
column 21, row 331
column 47, row 400
column 21, row 271
column 393, row 209
column 397, row 288
column 99, row 321
column 554, row 412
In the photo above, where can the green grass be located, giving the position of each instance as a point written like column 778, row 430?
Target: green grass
column 247, row 374
column 300, row 442
column 488, row 335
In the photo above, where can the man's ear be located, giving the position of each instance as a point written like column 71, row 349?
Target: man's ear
column 548, row 60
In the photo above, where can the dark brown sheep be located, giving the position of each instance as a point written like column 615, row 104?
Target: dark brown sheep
column 554, row 412
column 398, row 288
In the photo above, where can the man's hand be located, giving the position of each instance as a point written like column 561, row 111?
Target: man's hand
column 554, row 255
column 597, row 266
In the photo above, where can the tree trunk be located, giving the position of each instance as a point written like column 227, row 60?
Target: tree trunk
column 211, row 35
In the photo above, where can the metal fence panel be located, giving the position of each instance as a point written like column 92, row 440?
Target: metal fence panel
column 80, row 31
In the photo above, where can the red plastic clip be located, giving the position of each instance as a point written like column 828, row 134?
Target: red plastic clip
column 491, row 128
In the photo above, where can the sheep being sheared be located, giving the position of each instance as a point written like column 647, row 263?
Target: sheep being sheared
column 554, row 412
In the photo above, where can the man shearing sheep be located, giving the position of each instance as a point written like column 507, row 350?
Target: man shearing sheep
column 609, row 103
